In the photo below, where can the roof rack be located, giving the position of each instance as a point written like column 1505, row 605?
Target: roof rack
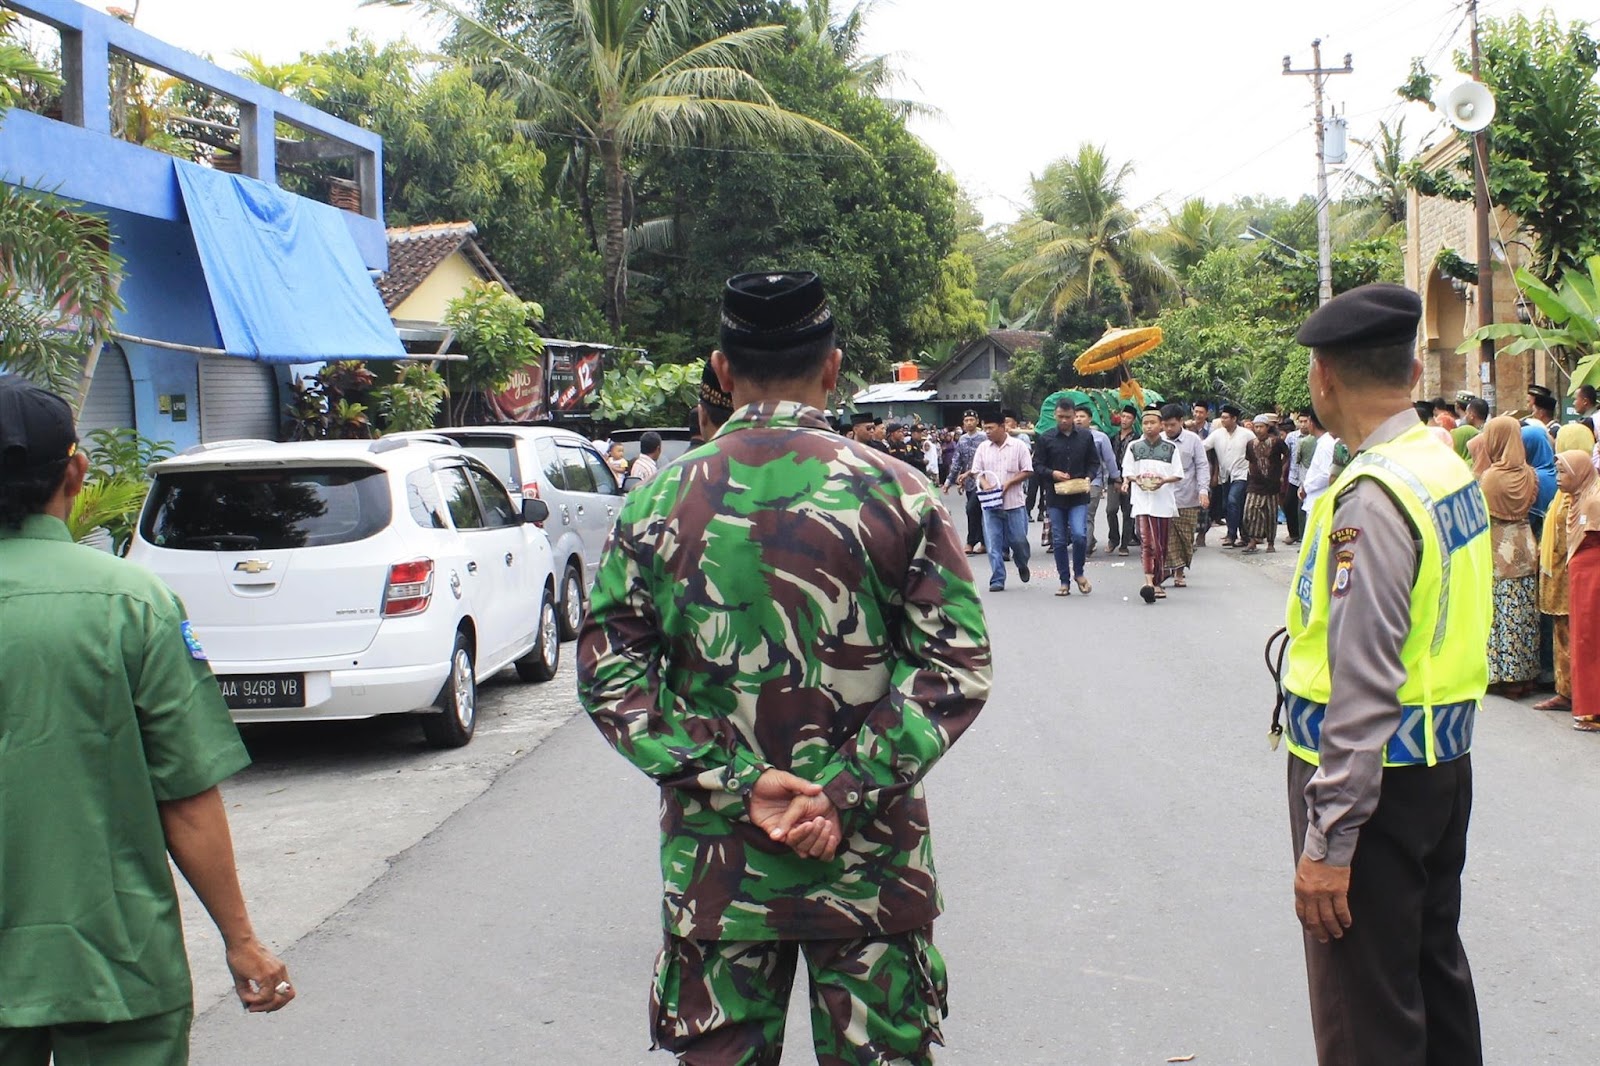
column 223, row 445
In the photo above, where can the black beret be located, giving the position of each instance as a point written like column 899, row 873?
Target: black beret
column 35, row 425
column 771, row 312
column 712, row 394
column 1370, row 316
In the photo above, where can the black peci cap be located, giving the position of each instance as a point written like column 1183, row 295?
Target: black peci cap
column 712, row 394
column 772, row 312
column 35, row 426
column 1372, row 316
column 863, row 418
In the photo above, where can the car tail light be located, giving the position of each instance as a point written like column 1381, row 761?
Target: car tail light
column 530, row 491
column 410, row 588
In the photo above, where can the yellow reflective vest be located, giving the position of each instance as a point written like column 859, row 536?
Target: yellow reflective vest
column 1445, row 655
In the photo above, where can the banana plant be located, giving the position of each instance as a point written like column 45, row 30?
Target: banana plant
column 1572, row 309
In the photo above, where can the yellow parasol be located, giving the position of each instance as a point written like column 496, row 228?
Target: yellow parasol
column 1115, row 351
column 1117, row 348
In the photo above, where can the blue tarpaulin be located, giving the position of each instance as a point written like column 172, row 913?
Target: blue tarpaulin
column 287, row 283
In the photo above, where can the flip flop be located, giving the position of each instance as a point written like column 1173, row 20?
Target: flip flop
column 1554, row 703
column 1586, row 725
column 1084, row 586
column 1179, row 583
column 1161, row 594
column 1064, row 590
column 1247, row 551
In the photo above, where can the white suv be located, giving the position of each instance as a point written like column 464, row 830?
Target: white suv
column 568, row 473
column 348, row 579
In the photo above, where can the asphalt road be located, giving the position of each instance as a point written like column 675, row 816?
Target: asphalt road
column 1112, row 842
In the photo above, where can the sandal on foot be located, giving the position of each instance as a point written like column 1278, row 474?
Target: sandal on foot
column 1161, row 593
column 1179, row 583
column 1586, row 725
column 1064, row 590
column 1084, row 586
column 1554, row 703
column 1247, row 551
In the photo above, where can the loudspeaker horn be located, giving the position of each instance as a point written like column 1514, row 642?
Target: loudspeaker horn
column 1468, row 106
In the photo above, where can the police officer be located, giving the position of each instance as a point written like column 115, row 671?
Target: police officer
column 1388, row 620
column 113, row 739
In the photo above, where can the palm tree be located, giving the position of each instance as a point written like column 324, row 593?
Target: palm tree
column 1379, row 201
column 19, row 66
column 58, row 290
column 1196, row 230
column 618, row 75
column 1083, row 239
column 843, row 35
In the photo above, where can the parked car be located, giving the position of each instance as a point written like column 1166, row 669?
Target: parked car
column 674, row 443
column 349, row 579
column 569, row 474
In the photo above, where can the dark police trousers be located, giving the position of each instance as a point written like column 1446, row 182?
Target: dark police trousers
column 1397, row 990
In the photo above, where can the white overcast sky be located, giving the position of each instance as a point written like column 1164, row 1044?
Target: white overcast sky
column 1191, row 93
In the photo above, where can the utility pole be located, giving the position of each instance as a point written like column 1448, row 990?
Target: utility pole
column 1319, row 79
column 1480, row 182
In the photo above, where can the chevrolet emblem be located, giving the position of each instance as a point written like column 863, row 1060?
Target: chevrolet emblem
column 252, row 566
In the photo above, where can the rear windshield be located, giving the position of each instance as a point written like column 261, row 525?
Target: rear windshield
column 498, row 454
column 250, row 509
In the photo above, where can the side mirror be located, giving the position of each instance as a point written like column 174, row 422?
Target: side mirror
column 535, row 511
column 631, row 483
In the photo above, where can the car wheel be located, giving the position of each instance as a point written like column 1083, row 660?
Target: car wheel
column 458, row 702
column 544, row 658
column 571, row 603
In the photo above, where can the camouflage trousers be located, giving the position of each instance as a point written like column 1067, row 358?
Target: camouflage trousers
column 875, row 1001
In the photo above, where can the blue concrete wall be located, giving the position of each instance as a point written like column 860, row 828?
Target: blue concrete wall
column 165, row 293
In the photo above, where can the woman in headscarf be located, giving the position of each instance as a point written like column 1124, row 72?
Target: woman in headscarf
column 1510, row 487
column 1577, row 477
column 1542, row 457
column 1554, row 599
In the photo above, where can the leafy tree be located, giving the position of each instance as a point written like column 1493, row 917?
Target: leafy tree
column 413, row 400
column 494, row 331
column 454, row 150
column 1544, row 142
column 58, row 289
column 650, row 395
column 1080, row 230
column 1228, row 333
column 877, row 227
column 617, row 76
column 952, row 311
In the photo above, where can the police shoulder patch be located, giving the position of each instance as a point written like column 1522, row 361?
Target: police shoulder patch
column 1347, row 535
column 192, row 642
column 1344, row 564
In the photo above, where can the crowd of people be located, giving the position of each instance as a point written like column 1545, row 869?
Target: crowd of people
column 1538, row 478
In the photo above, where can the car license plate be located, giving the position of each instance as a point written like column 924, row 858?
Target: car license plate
column 250, row 691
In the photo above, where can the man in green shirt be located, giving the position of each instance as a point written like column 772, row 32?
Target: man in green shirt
column 785, row 635
column 113, row 738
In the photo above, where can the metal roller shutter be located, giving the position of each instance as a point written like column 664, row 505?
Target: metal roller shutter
column 110, row 401
column 238, row 399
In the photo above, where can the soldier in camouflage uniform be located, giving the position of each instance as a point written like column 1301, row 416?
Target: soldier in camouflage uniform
column 785, row 635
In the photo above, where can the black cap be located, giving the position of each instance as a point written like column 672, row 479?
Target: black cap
column 774, row 311
column 895, row 427
column 1152, row 409
column 1006, row 412
column 1231, row 409
column 863, row 418
column 35, row 426
column 1371, row 316
column 969, row 413
column 712, row 394
column 1541, row 392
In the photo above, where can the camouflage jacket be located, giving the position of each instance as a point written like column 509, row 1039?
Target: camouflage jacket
column 785, row 597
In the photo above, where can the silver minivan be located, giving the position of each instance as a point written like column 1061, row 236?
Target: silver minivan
column 569, row 474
